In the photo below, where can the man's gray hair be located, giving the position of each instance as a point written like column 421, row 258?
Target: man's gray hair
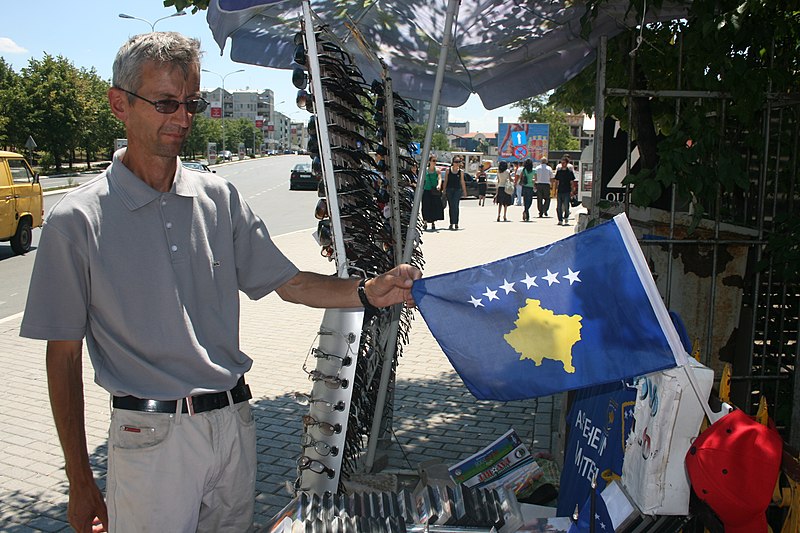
column 156, row 47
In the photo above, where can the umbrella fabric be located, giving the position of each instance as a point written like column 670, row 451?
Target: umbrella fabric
column 503, row 50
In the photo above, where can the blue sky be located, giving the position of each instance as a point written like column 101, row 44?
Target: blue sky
column 89, row 32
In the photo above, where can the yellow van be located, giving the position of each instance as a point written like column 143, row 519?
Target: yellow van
column 21, row 207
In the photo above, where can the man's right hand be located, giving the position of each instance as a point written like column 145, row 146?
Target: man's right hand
column 87, row 511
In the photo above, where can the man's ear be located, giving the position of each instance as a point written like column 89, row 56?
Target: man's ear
column 118, row 101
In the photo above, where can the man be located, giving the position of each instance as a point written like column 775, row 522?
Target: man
column 517, row 183
column 565, row 178
column 146, row 262
column 543, row 176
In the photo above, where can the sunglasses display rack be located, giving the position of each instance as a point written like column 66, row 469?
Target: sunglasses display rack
column 366, row 196
column 441, row 508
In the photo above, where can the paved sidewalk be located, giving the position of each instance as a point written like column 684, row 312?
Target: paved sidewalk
column 435, row 417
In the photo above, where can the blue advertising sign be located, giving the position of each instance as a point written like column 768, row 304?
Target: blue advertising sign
column 519, row 141
column 599, row 421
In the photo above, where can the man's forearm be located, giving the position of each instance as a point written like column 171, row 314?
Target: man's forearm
column 65, row 384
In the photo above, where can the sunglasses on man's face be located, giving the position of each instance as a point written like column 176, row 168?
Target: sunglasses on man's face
column 169, row 106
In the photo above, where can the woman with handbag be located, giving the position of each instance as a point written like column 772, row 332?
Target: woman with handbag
column 432, row 208
column 504, row 196
column 528, row 181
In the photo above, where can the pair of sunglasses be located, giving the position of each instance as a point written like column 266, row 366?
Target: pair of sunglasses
column 325, row 428
column 322, row 448
column 169, row 105
column 318, row 467
column 307, row 399
column 332, row 382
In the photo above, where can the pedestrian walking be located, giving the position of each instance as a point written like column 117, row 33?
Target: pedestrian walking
column 505, row 190
column 146, row 263
column 432, row 208
column 482, row 178
column 565, row 178
column 517, row 183
column 544, row 175
column 455, row 188
column 528, row 181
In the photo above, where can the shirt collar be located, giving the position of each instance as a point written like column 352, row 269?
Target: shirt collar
column 135, row 193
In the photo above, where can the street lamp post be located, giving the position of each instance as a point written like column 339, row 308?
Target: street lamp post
column 152, row 24
column 223, row 98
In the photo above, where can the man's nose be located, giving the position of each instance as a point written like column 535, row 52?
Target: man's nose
column 183, row 116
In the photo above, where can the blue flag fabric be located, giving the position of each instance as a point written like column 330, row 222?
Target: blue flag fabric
column 598, row 424
column 601, row 518
column 579, row 312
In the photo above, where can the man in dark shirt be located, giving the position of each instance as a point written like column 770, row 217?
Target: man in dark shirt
column 565, row 178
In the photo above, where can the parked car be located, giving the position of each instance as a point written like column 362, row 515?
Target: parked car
column 22, row 209
column 472, row 185
column 197, row 165
column 226, row 155
column 303, row 178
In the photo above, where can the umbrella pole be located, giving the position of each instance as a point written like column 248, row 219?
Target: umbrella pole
column 452, row 13
column 324, row 142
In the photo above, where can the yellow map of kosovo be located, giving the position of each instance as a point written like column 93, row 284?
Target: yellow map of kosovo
column 541, row 334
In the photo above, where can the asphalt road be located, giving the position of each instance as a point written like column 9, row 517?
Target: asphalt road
column 264, row 183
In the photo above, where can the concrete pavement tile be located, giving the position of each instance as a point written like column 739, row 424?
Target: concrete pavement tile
column 43, row 523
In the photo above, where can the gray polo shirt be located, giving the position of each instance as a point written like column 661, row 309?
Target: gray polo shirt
column 152, row 280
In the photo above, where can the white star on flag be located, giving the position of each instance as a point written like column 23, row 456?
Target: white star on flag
column 476, row 302
column 572, row 276
column 508, row 287
column 551, row 277
column 492, row 295
column 529, row 281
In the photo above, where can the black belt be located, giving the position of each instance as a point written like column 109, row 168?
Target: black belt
column 195, row 404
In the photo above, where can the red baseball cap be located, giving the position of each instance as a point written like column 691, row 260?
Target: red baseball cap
column 733, row 466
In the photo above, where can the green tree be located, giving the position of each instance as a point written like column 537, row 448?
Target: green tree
column 538, row 109
column 240, row 130
column 9, row 83
column 204, row 130
column 98, row 126
column 745, row 48
column 50, row 107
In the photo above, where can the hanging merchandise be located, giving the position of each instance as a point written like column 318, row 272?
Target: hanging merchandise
column 366, row 193
column 667, row 419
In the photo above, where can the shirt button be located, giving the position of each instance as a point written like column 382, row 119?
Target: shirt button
column 174, row 248
column 163, row 202
column 169, row 225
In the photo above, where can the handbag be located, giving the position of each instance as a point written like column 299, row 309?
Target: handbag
column 509, row 187
column 574, row 202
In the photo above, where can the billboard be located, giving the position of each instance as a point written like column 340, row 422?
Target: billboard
column 518, row 141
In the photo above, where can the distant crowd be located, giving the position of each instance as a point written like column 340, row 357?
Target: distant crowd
column 517, row 184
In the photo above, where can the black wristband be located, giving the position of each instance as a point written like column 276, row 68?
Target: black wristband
column 362, row 295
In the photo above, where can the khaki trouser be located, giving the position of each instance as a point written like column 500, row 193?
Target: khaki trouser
column 181, row 473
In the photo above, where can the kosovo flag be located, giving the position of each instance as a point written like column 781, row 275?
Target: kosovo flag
column 601, row 518
column 579, row 312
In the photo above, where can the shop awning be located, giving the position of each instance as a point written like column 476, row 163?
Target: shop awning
column 503, row 50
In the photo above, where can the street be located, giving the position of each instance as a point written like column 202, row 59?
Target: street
column 264, row 184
